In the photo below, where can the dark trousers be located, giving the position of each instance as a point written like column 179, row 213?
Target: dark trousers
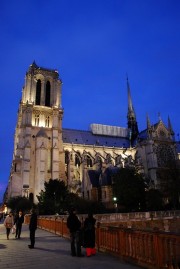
column 8, row 232
column 75, row 244
column 18, row 230
column 32, row 237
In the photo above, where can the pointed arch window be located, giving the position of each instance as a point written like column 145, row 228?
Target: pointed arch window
column 89, row 161
column 47, row 95
column 36, row 120
column 99, row 160
column 31, row 197
column 66, row 157
column 77, row 160
column 47, row 121
column 38, row 92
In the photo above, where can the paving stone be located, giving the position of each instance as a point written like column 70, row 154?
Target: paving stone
column 51, row 251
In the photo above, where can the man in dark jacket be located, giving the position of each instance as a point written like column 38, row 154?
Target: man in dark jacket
column 32, row 227
column 18, row 221
column 74, row 225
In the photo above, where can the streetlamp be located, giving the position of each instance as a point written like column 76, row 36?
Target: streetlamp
column 115, row 203
column 114, row 199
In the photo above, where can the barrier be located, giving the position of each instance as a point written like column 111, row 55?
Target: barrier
column 150, row 249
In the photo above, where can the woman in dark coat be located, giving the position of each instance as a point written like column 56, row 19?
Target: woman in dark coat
column 89, row 235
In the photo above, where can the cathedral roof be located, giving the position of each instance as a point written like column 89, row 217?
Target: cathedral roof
column 143, row 135
column 94, row 177
column 88, row 138
column 106, row 179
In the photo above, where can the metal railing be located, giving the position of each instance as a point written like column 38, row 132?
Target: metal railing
column 150, row 249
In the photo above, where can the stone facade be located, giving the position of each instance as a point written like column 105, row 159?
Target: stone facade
column 38, row 146
column 85, row 160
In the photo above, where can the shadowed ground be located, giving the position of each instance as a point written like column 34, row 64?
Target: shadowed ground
column 51, row 251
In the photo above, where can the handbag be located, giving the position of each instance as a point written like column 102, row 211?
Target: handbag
column 13, row 229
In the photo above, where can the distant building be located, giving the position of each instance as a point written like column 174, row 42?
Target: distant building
column 85, row 160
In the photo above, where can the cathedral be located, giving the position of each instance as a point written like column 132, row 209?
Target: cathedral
column 85, row 160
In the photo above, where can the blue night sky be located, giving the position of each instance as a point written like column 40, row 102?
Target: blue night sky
column 93, row 44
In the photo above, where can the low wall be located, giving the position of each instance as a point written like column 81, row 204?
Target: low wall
column 148, row 248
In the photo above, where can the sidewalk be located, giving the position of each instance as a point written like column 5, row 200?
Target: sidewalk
column 51, row 252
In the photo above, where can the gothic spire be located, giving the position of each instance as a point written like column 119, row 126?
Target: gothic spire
column 159, row 116
column 170, row 127
column 148, row 122
column 149, row 127
column 130, row 106
column 131, row 116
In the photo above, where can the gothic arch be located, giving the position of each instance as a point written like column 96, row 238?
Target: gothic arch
column 31, row 197
column 77, row 159
column 38, row 92
column 47, row 93
column 108, row 159
column 88, row 159
column 67, row 157
column 98, row 161
column 118, row 160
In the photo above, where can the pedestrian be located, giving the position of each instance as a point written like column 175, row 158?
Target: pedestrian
column 8, row 223
column 74, row 226
column 89, row 235
column 18, row 221
column 32, row 227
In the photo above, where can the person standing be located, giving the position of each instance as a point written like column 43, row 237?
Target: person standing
column 74, row 226
column 32, row 227
column 89, row 235
column 8, row 223
column 19, row 219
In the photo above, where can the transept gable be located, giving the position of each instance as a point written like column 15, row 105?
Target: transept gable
column 161, row 131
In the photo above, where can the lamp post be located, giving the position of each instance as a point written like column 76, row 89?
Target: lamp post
column 115, row 204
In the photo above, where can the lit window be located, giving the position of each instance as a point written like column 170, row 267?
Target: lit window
column 36, row 120
column 47, row 120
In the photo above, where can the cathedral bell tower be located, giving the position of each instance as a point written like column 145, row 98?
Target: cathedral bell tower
column 38, row 149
